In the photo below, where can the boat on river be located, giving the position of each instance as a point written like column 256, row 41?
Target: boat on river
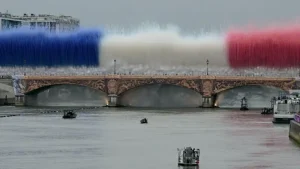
column 144, row 121
column 69, row 114
column 286, row 107
column 188, row 156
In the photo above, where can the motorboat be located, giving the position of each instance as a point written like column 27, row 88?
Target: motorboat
column 188, row 156
column 69, row 114
column 144, row 121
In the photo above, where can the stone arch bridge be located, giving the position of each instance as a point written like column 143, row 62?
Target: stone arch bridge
column 116, row 85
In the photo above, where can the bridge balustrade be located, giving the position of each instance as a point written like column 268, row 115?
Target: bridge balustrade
column 161, row 77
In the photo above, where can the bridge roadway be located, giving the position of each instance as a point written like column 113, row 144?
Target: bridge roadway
column 115, row 85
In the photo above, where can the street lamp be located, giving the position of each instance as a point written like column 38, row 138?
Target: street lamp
column 115, row 62
column 207, row 62
column 24, row 67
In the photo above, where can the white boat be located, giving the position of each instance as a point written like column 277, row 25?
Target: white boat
column 286, row 107
column 188, row 156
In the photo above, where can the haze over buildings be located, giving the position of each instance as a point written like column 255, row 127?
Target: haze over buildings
column 189, row 15
column 48, row 22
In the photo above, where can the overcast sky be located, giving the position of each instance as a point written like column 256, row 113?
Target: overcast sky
column 190, row 15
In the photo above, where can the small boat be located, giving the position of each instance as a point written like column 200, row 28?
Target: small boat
column 188, row 156
column 244, row 105
column 267, row 111
column 144, row 121
column 69, row 114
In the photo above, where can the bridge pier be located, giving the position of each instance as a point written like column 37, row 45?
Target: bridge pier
column 113, row 99
column 19, row 100
column 208, row 102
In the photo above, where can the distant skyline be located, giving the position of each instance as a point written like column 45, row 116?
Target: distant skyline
column 189, row 15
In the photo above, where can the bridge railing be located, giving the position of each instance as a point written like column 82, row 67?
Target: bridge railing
column 161, row 77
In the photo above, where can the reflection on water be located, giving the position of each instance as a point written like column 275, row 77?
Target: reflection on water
column 114, row 138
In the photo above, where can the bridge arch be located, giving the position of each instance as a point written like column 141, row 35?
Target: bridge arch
column 160, row 95
column 6, row 88
column 258, row 95
column 67, row 94
column 7, row 93
column 125, row 86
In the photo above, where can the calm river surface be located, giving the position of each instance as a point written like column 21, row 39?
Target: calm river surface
column 114, row 139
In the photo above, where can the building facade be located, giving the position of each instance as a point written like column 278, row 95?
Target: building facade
column 50, row 23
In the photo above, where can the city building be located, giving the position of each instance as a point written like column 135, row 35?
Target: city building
column 51, row 23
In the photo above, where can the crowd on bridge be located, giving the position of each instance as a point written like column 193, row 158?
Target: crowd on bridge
column 142, row 70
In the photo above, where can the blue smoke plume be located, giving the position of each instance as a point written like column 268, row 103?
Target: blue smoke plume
column 37, row 48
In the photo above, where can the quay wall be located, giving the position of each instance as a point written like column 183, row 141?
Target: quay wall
column 294, row 132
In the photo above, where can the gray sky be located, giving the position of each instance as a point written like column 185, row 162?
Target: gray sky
column 190, row 15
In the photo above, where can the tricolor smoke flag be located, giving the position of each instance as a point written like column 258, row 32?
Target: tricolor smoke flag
column 274, row 48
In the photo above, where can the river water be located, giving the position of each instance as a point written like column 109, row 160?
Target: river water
column 109, row 138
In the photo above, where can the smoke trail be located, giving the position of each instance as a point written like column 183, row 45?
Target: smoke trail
column 38, row 48
column 275, row 47
column 157, row 46
column 152, row 47
column 270, row 47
